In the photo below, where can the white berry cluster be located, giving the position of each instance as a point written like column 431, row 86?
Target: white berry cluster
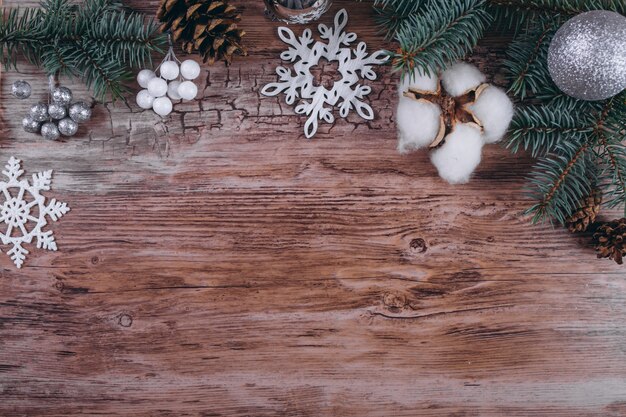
column 173, row 83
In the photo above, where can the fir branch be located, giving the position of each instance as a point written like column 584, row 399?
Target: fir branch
column 515, row 13
column 527, row 55
column 393, row 14
column 438, row 34
column 98, row 41
column 611, row 152
column 100, row 72
column 539, row 129
column 612, row 165
column 561, row 180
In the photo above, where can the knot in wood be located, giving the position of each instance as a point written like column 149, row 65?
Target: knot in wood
column 125, row 320
column 418, row 245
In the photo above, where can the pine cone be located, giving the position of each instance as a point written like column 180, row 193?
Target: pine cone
column 208, row 27
column 610, row 240
column 586, row 214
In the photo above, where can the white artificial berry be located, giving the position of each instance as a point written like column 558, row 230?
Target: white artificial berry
column 169, row 70
column 144, row 99
column 172, row 90
column 162, row 106
column 157, row 87
column 144, row 77
column 190, row 69
column 187, row 90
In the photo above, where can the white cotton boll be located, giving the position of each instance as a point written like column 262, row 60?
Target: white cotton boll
column 461, row 77
column 494, row 109
column 418, row 124
column 419, row 81
column 459, row 156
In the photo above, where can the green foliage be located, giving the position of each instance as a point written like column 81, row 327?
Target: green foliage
column 611, row 152
column 526, row 55
column 392, row 15
column 97, row 41
column 581, row 145
column 439, row 32
column 561, row 180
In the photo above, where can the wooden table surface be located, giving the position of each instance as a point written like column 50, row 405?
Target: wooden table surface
column 217, row 263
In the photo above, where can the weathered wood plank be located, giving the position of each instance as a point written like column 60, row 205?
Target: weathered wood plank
column 216, row 263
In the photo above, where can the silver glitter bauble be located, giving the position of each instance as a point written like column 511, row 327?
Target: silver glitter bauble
column 62, row 95
column 587, row 56
column 39, row 112
column 50, row 131
column 68, row 127
column 21, row 89
column 80, row 112
column 57, row 111
column 30, row 125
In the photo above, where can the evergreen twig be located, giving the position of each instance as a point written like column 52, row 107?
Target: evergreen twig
column 97, row 41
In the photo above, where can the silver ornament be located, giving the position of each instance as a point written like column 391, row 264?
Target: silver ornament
column 21, row 89
column 68, row 127
column 30, row 125
column 80, row 112
column 57, row 111
column 587, row 56
column 39, row 112
column 62, row 95
column 50, row 131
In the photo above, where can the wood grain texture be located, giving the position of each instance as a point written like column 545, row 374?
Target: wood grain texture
column 219, row 264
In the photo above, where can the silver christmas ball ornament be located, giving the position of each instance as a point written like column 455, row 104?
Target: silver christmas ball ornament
column 68, row 127
column 30, row 125
column 39, row 112
column 50, row 131
column 57, row 111
column 587, row 55
column 80, row 112
column 62, row 95
column 21, row 89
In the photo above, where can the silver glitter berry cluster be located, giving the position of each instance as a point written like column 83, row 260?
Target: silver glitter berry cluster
column 60, row 116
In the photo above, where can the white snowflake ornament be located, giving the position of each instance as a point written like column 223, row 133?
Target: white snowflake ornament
column 317, row 102
column 24, row 212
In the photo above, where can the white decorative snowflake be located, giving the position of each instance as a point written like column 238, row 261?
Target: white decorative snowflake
column 299, row 82
column 24, row 211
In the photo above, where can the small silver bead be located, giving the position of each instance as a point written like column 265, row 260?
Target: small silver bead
column 50, row 131
column 21, row 89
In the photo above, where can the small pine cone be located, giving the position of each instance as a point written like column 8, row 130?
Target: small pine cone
column 610, row 240
column 208, row 27
column 586, row 214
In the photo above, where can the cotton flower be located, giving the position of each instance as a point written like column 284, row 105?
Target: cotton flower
column 454, row 114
